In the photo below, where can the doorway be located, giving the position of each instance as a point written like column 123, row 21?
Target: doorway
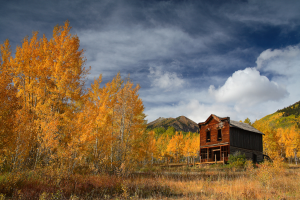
column 216, row 155
column 254, row 158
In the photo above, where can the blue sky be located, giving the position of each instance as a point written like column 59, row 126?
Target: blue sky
column 193, row 58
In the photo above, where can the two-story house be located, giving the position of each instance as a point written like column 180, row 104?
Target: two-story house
column 220, row 136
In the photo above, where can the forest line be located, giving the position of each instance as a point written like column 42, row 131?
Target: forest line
column 48, row 119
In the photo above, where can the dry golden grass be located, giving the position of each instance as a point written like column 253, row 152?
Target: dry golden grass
column 268, row 181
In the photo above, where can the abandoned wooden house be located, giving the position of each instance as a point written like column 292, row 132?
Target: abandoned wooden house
column 220, row 137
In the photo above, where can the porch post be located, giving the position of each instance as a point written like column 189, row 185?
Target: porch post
column 220, row 152
column 207, row 154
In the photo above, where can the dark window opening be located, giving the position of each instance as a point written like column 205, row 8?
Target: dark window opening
column 208, row 136
column 219, row 134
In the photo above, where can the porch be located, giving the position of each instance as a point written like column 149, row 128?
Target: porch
column 214, row 154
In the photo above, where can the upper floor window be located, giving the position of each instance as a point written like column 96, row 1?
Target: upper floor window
column 219, row 134
column 207, row 135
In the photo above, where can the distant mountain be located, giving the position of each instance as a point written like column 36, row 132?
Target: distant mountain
column 181, row 123
column 284, row 118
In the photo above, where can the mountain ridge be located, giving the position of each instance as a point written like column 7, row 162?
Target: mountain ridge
column 283, row 118
column 180, row 123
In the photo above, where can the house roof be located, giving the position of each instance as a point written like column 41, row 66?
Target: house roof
column 244, row 126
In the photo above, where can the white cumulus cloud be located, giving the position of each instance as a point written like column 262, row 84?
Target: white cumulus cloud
column 283, row 64
column 284, row 61
column 248, row 87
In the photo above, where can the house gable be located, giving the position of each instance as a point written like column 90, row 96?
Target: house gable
column 214, row 125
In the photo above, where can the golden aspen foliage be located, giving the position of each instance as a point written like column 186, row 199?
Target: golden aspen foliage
column 247, row 121
column 271, row 144
column 187, row 150
column 195, row 145
column 48, row 119
column 112, row 133
column 192, row 145
column 146, row 148
column 290, row 139
column 8, row 106
column 161, row 146
column 130, row 121
column 176, row 146
column 92, row 138
column 279, row 140
column 150, row 146
column 48, row 77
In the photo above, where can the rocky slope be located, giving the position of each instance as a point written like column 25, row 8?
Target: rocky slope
column 181, row 123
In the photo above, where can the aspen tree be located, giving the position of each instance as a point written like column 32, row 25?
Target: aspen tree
column 130, row 123
column 176, row 146
column 162, row 146
column 191, row 145
column 291, row 139
column 48, row 118
column 8, row 106
column 92, row 139
column 113, row 87
column 270, row 138
column 49, row 77
column 187, row 150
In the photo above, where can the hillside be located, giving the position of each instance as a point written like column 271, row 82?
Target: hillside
column 283, row 118
column 181, row 123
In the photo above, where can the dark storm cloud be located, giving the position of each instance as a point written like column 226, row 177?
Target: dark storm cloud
column 175, row 50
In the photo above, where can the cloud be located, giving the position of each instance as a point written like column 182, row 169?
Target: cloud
column 164, row 79
column 248, row 87
column 283, row 65
column 114, row 49
column 284, row 61
column 253, row 12
column 193, row 109
column 213, row 42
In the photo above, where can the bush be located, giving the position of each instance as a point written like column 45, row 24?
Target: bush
column 237, row 160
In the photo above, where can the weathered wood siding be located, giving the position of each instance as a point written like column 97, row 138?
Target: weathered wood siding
column 214, row 125
column 245, row 139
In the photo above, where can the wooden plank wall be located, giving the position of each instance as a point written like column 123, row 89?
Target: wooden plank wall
column 245, row 139
column 213, row 125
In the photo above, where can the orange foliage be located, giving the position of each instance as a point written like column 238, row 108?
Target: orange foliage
column 47, row 118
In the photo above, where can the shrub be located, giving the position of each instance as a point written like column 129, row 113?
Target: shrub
column 267, row 171
column 237, row 160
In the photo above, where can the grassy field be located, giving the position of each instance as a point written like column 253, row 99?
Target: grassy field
column 265, row 181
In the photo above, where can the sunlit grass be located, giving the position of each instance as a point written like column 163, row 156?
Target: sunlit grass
column 268, row 181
